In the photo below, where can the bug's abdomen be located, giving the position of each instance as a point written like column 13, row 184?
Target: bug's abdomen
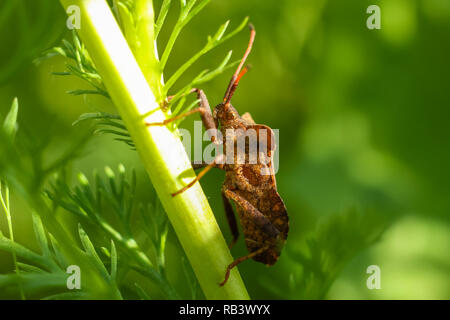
column 258, row 236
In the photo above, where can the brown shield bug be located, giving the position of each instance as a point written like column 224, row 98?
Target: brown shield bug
column 251, row 186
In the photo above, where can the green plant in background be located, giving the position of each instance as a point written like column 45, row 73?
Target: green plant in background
column 107, row 123
column 324, row 252
column 46, row 272
column 83, row 67
column 43, row 275
column 31, row 34
column 10, row 128
column 91, row 205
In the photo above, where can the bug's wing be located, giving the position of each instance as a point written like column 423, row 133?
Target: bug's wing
column 272, row 206
column 248, row 117
column 258, row 227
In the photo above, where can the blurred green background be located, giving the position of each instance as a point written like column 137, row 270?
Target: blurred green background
column 363, row 118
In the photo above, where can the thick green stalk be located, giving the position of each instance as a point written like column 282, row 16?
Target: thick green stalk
column 161, row 151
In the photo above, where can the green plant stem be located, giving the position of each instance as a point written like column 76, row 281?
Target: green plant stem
column 161, row 151
column 6, row 207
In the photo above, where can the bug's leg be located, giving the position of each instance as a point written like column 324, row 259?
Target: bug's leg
column 217, row 162
column 205, row 113
column 260, row 220
column 239, row 260
column 209, row 122
column 201, row 110
column 202, row 165
column 231, row 218
column 199, row 165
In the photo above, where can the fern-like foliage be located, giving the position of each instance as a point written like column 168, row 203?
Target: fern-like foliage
column 44, row 275
column 23, row 167
column 37, row 274
column 107, row 123
column 92, row 205
column 106, row 209
column 80, row 65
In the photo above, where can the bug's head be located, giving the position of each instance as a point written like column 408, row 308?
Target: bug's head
column 225, row 112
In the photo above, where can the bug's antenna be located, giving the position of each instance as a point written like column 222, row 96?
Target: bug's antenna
column 239, row 71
